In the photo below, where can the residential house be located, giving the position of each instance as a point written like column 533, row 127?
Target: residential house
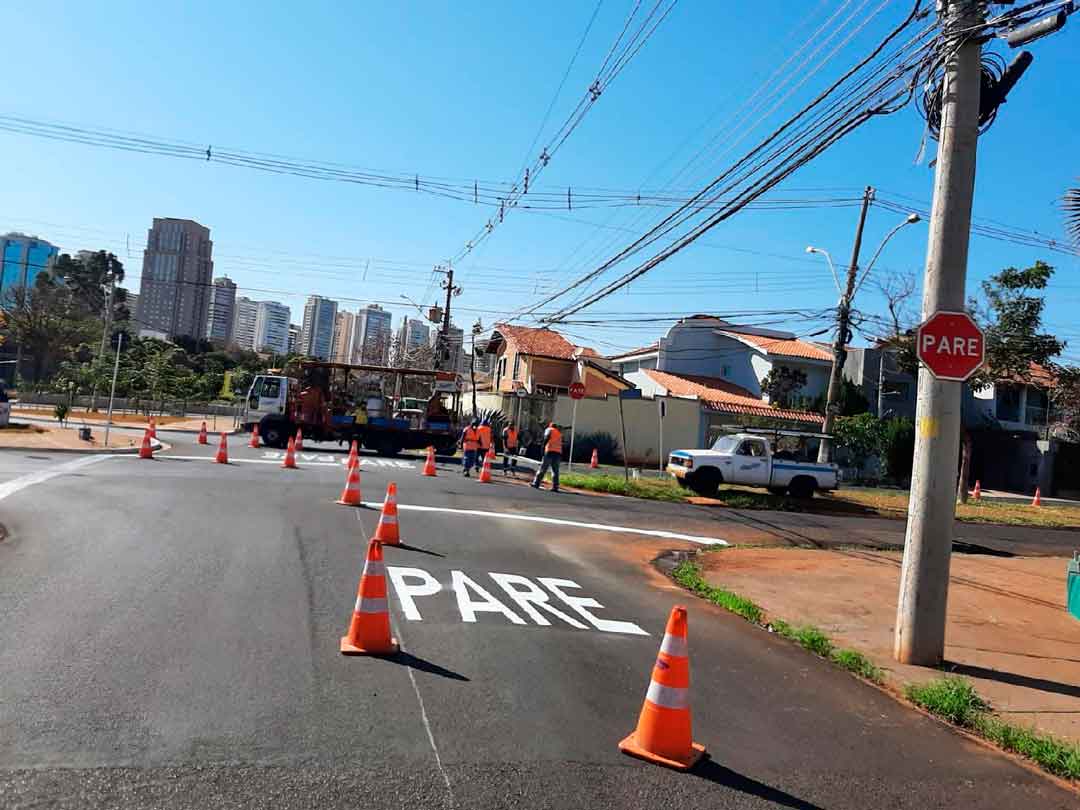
column 544, row 362
column 863, row 367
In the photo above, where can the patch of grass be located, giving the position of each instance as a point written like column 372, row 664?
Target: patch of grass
column 955, row 699
column 652, row 489
column 688, row 574
column 857, row 663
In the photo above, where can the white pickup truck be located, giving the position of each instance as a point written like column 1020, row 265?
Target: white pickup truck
column 744, row 458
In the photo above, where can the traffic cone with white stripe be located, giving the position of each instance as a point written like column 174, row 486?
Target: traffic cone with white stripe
column 354, row 455
column 290, row 455
column 222, row 456
column 429, row 465
column 663, row 734
column 977, row 493
column 595, row 462
column 202, row 433
column 1037, row 500
column 146, row 451
column 387, row 530
column 350, row 496
column 299, row 440
column 254, row 436
column 485, row 472
column 369, row 630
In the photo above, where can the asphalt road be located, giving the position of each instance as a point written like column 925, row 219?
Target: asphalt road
column 169, row 638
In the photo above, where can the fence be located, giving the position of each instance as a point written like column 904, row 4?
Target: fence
column 123, row 405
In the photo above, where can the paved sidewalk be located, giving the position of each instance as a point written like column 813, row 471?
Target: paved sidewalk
column 1008, row 630
column 22, row 436
column 97, row 420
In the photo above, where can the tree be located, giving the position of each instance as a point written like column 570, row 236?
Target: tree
column 45, row 322
column 782, row 384
column 898, row 289
column 1012, row 322
column 90, row 278
column 862, row 436
column 1071, row 205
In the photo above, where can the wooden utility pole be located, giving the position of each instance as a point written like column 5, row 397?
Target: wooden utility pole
column 843, row 326
column 924, row 576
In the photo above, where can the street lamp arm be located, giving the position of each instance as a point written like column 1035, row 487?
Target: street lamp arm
column 911, row 219
column 828, row 258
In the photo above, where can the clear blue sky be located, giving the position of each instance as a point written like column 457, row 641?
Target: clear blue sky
column 459, row 90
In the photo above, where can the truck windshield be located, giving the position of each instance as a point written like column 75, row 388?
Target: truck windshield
column 725, row 444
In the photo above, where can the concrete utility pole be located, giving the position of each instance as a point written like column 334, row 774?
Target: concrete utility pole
column 444, row 330
column 843, row 321
column 924, row 577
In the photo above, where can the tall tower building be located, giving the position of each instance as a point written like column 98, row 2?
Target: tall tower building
column 245, row 313
column 373, row 335
column 272, row 327
column 23, row 258
column 412, row 334
column 219, row 313
column 344, row 337
column 174, row 293
column 317, row 331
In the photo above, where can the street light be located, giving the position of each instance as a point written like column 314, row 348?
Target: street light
column 828, row 258
column 910, row 219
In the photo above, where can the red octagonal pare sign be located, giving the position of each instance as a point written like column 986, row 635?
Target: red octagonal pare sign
column 951, row 345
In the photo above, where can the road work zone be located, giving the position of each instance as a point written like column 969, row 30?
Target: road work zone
column 522, row 600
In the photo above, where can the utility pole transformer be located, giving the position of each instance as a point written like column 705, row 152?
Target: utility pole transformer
column 843, row 326
column 924, row 576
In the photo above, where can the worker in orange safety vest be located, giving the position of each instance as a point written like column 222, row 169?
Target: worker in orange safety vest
column 470, row 443
column 510, row 448
column 552, row 457
column 485, row 440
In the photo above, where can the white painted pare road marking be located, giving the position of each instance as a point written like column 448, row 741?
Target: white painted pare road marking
column 18, row 484
column 601, row 527
column 471, row 598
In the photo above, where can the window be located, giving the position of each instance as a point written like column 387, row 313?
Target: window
column 724, row 444
column 1037, row 406
column 725, row 371
column 271, row 388
column 517, row 366
column 256, row 387
column 1007, row 403
column 752, row 447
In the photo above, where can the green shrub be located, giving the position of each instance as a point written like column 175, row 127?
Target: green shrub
column 951, row 698
column 60, row 411
column 606, row 445
column 898, row 448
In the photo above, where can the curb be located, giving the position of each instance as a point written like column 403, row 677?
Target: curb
column 156, row 446
column 94, row 423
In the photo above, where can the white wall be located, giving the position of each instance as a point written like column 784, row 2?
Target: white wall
column 682, row 424
column 694, row 348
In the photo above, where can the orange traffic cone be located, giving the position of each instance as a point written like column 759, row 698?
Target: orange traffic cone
column 254, row 436
column 290, row 455
column 1037, row 500
column 369, row 630
column 663, row 731
column 146, row 451
column 977, row 492
column 485, row 472
column 350, row 496
column 354, row 456
column 222, row 456
column 153, row 428
column 429, row 465
column 202, row 433
column 299, row 440
column 387, row 530
column 595, row 460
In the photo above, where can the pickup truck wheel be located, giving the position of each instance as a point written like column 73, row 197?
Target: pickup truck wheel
column 275, row 432
column 705, row 482
column 802, row 486
column 778, row 490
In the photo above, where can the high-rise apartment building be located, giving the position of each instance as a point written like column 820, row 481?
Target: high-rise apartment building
column 373, row 335
column 412, row 334
column 317, row 331
column 219, row 313
column 453, row 352
column 272, row 327
column 294, row 337
column 174, row 293
column 344, row 337
column 23, row 258
column 245, row 312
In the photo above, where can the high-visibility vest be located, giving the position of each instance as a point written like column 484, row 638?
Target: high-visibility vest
column 470, row 439
column 510, row 436
column 554, row 442
column 485, row 436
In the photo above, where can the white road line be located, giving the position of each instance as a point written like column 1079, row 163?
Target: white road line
column 18, row 484
column 419, row 699
column 300, row 464
column 705, row 541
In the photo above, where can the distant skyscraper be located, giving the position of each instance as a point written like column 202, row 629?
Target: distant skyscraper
column 174, row 293
column 219, row 313
column 344, row 337
column 373, row 335
column 317, row 332
column 245, row 312
column 412, row 334
column 24, row 257
column 272, row 327
column 453, row 358
column 294, row 337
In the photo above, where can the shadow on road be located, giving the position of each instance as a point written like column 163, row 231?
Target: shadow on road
column 1043, row 685
column 715, row 772
column 411, row 661
column 419, row 550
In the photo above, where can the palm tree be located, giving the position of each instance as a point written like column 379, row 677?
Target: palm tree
column 1071, row 205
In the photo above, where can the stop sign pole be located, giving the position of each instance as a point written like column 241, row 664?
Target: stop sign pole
column 577, row 391
column 924, row 576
